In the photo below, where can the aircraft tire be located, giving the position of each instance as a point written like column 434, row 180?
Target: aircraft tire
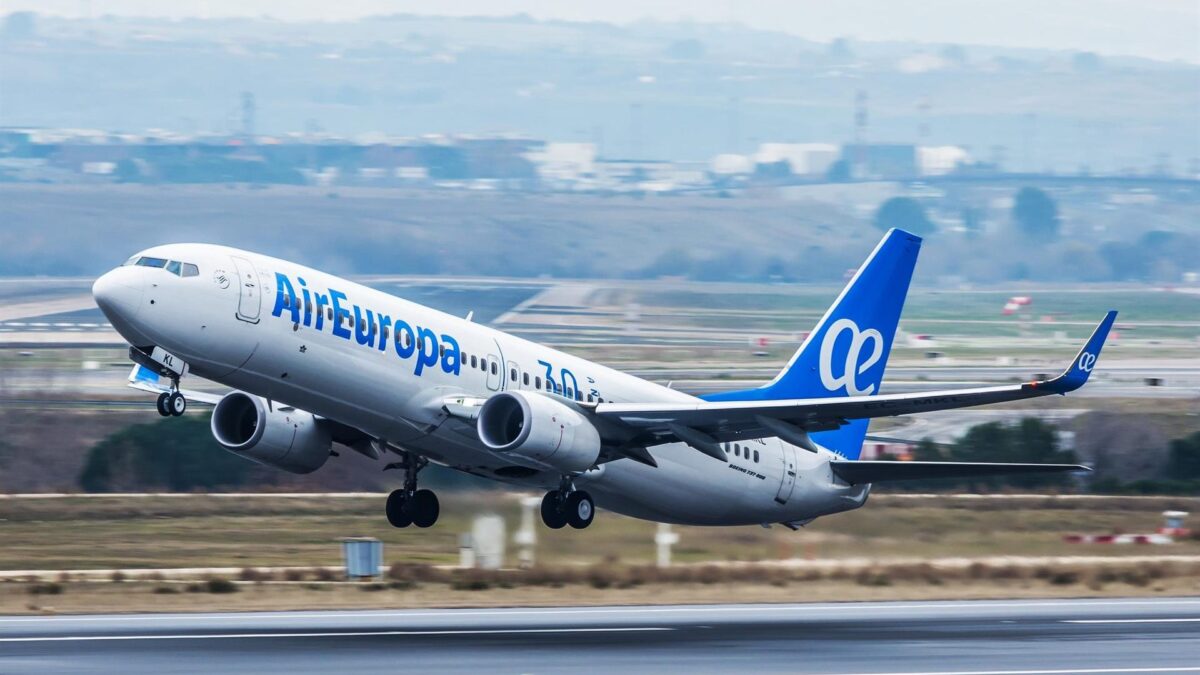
column 176, row 404
column 162, row 404
column 397, row 515
column 580, row 509
column 424, row 508
column 552, row 516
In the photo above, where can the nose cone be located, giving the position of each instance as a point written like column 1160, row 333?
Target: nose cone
column 119, row 295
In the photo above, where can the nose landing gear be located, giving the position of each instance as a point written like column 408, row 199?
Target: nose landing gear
column 408, row 505
column 568, row 506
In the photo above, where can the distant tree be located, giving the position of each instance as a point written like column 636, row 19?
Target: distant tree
column 1185, row 458
column 1030, row 440
column 19, row 26
column 928, row 451
column 173, row 454
column 1125, row 261
column 905, row 213
column 954, row 54
column 840, row 51
column 674, row 262
column 686, row 50
column 1086, row 62
column 838, row 172
column 1036, row 215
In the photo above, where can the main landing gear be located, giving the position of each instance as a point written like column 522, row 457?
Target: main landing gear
column 171, row 404
column 567, row 506
column 408, row 505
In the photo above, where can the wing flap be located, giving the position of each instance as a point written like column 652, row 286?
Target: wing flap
column 878, row 471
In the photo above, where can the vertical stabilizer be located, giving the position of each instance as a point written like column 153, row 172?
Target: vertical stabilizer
column 847, row 352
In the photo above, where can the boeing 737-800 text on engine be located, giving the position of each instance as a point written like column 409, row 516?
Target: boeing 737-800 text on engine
column 313, row 360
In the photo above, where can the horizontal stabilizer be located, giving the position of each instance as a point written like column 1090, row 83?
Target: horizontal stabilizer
column 874, row 472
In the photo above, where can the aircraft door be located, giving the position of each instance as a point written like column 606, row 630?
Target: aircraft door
column 788, row 457
column 249, row 293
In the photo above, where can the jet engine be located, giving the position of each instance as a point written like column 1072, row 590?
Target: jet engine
column 280, row 437
column 539, row 430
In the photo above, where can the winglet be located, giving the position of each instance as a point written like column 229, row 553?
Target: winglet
column 1077, row 373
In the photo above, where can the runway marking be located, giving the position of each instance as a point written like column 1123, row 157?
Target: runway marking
column 1047, row 671
column 696, row 609
column 372, row 633
column 1178, row 620
column 1057, row 671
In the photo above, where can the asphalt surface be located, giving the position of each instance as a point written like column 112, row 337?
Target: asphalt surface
column 1015, row 637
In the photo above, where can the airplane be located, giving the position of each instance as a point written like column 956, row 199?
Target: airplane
column 313, row 360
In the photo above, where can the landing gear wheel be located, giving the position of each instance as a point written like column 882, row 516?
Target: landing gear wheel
column 176, row 404
column 552, row 514
column 162, row 404
column 423, row 507
column 579, row 509
column 397, row 515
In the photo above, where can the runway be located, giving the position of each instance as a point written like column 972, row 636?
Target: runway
column 1014, row 637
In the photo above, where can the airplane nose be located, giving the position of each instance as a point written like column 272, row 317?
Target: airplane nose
column 119, row 294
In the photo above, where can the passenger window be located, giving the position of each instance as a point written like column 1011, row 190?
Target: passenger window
column 329, row 312
column 190, row 270
column 385, row 333
column 512, row 374
column 147, row 261
column 175, row 267
column 589, row 398
column 495, row 368
column 525, row 379
column 537, row 382
column 474, row 364
column 756, row 457
column 737, row 450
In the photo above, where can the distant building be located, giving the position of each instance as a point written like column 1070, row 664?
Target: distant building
column 804, row 159
column 563, row 163
column 888, row 161
column 941, row 160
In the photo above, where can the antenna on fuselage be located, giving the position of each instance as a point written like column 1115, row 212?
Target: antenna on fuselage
column 470, row 314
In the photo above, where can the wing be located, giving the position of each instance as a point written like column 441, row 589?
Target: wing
column 859, row 471
column 706, row 424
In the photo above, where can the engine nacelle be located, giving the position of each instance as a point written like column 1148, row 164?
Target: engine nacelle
column 539, row 430
column 283, row 438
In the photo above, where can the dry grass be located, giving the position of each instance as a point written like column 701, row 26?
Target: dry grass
column 410, row 587
column 211, row 531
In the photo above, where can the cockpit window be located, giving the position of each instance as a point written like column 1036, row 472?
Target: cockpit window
column 190, row 270
column 147, row 261
column 173, row 267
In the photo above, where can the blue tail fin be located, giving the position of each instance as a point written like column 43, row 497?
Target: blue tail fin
column 845, row 355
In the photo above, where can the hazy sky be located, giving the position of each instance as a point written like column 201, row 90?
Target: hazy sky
column 1159, row 29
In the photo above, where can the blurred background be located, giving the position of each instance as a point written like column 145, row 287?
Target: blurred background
column 676, row 192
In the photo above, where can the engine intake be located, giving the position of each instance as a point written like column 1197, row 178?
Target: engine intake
column 283, row 438
column 539, row 430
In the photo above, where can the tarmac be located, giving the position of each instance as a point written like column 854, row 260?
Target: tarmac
column 1004, row 637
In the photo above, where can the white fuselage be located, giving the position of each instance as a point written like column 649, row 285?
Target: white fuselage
column 230, row 327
